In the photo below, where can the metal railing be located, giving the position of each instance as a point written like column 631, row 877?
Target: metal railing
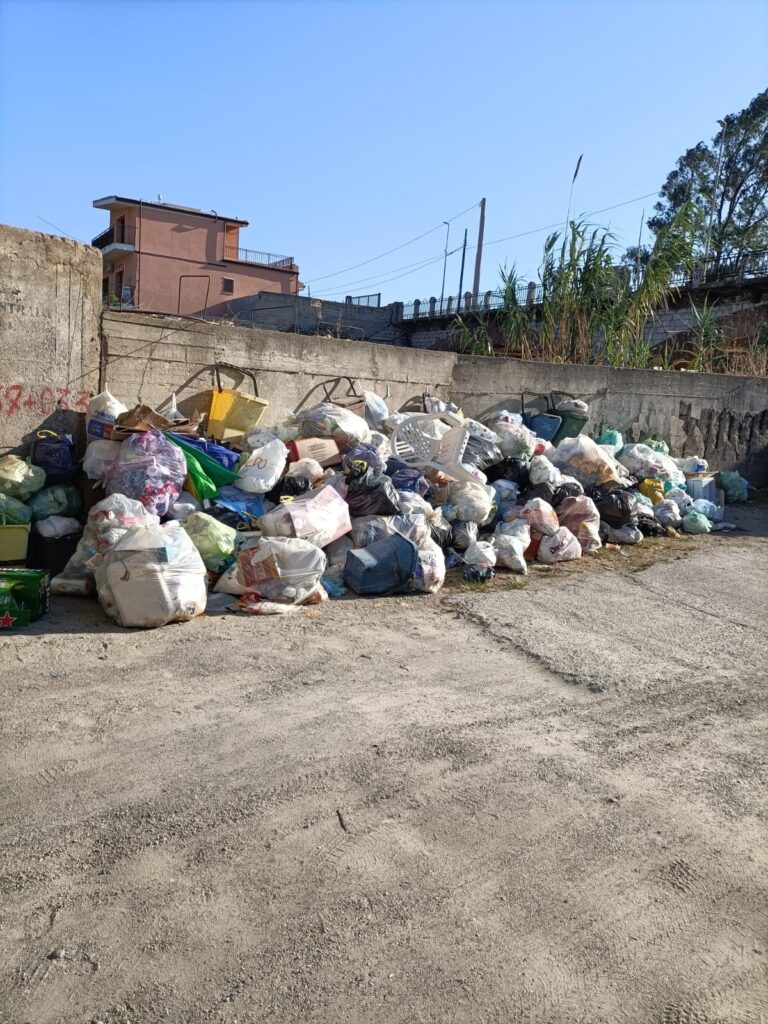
column 118, row 234
column 373, row 301
column 265, row 259
column 737, row 269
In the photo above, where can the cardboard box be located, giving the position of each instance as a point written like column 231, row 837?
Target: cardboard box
column 31, row 591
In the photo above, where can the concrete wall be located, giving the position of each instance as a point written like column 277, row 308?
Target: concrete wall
column 148, row 357
column 50, row 303
column 722, row 418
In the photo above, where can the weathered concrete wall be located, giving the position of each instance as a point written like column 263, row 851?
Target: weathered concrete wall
column 723, row 418
column 50, row 303
column 148, row 357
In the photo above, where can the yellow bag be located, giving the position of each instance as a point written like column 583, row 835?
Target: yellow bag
column 653, row 489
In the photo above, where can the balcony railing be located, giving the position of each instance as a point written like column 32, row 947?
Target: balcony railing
column 265, row 259
column 122, row 301
column 118, row 234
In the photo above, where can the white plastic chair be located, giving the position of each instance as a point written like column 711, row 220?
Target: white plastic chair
column 411, row 445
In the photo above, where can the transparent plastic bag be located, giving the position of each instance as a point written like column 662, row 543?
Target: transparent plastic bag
column 309, row 469
column 362, row 456
column 319, row 516
column 515, row 440
column 652, row 489
column 642, row 461
column 213, row 539
column 152, row 575
column 368, row 529
column 376, row 411
column 681, row 498
column 735, row 487
column 481, row 554
column 285, row 570
column 511, row 541
column 668, row 513
column 709, row 509
column 611, row 439
column 329, row 420
column 99, row 458
column 184, row 506
column 587, row 462
column 20, row 479
column 620, row 534
column 541, row 471
column 430, row 569
column 56, row 527
column 150, row 469
column 336, row 553
column 464, row 534
column 469, row 502
column 581, row 517
column 561, row 546
column 541, row 516
column 694, row 464
column 259, row 471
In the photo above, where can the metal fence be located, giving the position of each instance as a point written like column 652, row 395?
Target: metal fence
column 736, row 269
column 265, row 259
column 118, row 234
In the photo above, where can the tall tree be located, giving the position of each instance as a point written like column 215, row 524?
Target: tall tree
column 728, row 181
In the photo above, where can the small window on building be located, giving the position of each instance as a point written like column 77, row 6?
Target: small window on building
column 228, row 285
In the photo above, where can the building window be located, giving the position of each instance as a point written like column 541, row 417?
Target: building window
column 228, row 285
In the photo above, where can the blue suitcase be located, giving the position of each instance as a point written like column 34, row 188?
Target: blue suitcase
column 385, row 567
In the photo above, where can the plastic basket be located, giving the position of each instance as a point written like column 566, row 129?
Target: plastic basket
column 232, row 414
column 13, row 543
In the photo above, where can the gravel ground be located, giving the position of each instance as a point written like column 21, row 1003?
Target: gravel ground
column 514, row 805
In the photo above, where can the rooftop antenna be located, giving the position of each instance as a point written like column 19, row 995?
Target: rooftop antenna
column 159, row 198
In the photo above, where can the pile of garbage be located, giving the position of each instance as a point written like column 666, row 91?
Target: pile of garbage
column 334, row 499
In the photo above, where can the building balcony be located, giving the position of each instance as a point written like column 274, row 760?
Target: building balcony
column 263, row 259
column 120, row 238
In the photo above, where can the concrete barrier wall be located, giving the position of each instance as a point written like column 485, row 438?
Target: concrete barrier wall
column 50, row 304
column 725, row 419
column 148, row 357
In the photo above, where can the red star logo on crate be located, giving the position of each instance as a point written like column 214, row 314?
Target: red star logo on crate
column 6, row 621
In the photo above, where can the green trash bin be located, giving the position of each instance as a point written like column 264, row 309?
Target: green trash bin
column 572, row 423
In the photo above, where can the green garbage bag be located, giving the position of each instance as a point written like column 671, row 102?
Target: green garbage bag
column 657, row 445
column 13, row 512
column 695, row 522
column 61, row 500
column 735, row 487
column 214, row 540
column 205, row 474
column 611, row 439
column 20, row 479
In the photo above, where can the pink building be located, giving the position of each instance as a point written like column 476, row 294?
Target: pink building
column 174, row 259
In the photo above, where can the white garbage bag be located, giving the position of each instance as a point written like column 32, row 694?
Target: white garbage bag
column 152, row 575
column 281, row 569
column 430, row 569
column 103, row 410
column 561, row 546
column 262, row 469
column 511, row 541
column 98, row 460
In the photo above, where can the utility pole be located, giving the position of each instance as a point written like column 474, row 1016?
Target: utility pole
column 445, row 262
column 714, row 195
column 461, row 274
column 479, row 253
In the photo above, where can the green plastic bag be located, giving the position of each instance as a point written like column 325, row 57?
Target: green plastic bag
column 734, row 486
column 695, row 522
column 656, row 445
column 611, row 439
column 205, row 474
column 13, row 512
column 214, row 540
column 61, row 500
column 20, row 479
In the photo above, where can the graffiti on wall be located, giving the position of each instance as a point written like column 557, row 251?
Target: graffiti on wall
column 16, row 399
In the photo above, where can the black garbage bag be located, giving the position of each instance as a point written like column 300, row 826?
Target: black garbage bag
column 617, row 507
column 463, row 534
column 440, row 530
column 542, row 490
column 481, row 452
column 514, row 470
column 649, row 525
column 289, row 486
column 372, row 494
column 567, row 489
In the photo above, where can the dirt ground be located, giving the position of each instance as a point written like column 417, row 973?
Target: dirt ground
column 538, row 803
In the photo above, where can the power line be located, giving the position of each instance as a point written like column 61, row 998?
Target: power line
column 373, row 259
column 428, row 261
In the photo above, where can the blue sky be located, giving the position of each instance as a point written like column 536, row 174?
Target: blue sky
column 341, row 130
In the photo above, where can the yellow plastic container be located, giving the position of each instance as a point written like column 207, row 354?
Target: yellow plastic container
column 232, row 413
column 13, row 543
